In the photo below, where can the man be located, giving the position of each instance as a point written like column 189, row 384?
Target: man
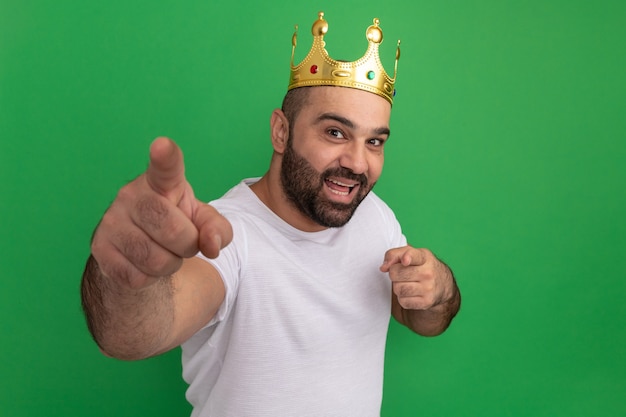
column 286, row 309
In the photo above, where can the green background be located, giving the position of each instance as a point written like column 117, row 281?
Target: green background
column 506, row 159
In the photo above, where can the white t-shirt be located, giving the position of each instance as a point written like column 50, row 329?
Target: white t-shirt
column 303, row 326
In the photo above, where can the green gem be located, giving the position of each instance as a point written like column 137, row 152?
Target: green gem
column 370, row 75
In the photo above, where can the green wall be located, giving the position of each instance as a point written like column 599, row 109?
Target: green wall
column 507, row 159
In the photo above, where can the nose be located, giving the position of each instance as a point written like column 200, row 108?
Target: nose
column 354, row 157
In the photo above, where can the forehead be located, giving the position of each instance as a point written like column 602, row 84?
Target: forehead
column 364, row 108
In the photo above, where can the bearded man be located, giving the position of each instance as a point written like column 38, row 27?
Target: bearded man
column 276, row 291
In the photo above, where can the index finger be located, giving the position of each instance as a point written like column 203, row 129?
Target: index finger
column 166, row 171
column 406, row 256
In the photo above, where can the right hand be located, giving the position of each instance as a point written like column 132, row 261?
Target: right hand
column 155, row 222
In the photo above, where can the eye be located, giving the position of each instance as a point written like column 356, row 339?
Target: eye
column 376, row 142
column 335, row 133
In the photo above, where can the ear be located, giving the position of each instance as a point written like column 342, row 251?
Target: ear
column 279, row 129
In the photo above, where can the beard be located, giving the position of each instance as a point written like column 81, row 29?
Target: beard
column 303, row 185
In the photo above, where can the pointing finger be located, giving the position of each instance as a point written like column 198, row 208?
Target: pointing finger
column 406, row 256
column 166, row 172
column 396, row 256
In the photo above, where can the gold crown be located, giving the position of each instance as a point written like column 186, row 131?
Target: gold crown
column 366, row 73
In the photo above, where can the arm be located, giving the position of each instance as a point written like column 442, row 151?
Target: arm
column 425, row 295
column 143, row 292
column 136, row 323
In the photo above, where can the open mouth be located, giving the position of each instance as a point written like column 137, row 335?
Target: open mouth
column 338, row 187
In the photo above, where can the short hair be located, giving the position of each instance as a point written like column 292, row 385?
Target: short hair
column 293, row 102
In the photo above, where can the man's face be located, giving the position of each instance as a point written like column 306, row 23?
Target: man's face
column 303, row 186
column 334, row 155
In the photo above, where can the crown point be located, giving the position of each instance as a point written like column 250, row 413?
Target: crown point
column 320, row 26
column 374, row 34
column 294, row 37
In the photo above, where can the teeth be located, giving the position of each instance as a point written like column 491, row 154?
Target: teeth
column 341, row 183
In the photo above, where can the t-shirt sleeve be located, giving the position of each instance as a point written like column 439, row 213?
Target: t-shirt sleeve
column 390, row 224
column 229, row 265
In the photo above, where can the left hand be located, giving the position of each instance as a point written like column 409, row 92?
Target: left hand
column 420, row 281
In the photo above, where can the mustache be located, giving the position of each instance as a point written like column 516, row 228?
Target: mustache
column 345, row 173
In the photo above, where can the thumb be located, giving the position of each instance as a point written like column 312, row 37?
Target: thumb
column 215, row 231
column 166, row 172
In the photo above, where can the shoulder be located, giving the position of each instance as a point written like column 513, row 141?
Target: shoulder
column 239, row 196
column 373, row 205
column 375, row 217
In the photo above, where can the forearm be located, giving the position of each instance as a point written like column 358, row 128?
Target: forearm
column 127, row 323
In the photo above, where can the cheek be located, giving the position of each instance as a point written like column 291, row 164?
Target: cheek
column 321, row 158
column 375, row 167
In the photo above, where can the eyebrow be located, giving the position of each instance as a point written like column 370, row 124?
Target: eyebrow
column 349, row 123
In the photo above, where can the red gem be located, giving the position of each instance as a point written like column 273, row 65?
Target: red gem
column 313, row 69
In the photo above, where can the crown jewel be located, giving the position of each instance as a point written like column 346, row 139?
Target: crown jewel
column 366, row 73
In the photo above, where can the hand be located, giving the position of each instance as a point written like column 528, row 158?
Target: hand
column 155, row 222
column 420, row 281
